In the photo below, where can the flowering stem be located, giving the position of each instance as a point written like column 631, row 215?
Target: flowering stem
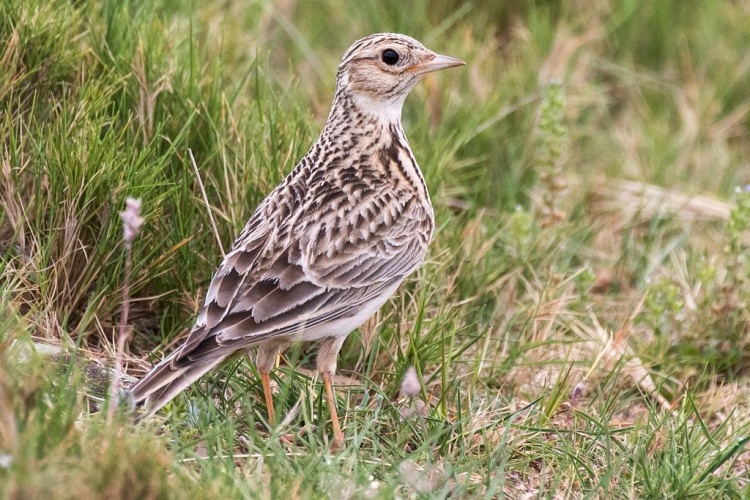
column 122, row 335
column 131, row 222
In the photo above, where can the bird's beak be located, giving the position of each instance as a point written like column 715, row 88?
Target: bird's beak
column 436, row 63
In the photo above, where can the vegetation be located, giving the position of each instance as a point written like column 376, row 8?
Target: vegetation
column 580, row 329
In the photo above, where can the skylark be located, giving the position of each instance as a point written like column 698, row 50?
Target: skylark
column 328, row 246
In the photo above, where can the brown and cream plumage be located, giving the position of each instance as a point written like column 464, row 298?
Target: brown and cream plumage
column 328, row 246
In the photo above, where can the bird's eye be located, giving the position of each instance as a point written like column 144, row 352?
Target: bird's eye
column 390, row 57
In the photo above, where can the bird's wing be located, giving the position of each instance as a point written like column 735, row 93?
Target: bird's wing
column 326, row 270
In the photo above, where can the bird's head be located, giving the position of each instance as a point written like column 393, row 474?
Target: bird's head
column 380, row 70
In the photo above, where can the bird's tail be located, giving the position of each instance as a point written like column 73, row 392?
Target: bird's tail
column 165, row 381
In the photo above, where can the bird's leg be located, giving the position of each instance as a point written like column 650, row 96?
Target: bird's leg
column 265, row 379
column 327, row 355
column 338, row 436
column 265, row 360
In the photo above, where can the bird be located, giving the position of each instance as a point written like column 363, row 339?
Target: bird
column 329, row 245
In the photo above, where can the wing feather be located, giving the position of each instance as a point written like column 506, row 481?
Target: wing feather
column 325, row 271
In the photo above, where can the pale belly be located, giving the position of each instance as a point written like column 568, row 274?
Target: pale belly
column 344, row 326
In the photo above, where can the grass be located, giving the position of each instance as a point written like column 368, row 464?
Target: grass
column 580, row 328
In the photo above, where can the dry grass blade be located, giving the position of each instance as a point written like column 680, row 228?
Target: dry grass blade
column 642, row 201
column 205, row 200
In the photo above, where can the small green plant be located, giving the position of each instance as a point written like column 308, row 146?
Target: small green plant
column 714, row 331
column 735, row 289
column 552, row 141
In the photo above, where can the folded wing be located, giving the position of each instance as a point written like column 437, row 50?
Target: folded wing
column 281, row 281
